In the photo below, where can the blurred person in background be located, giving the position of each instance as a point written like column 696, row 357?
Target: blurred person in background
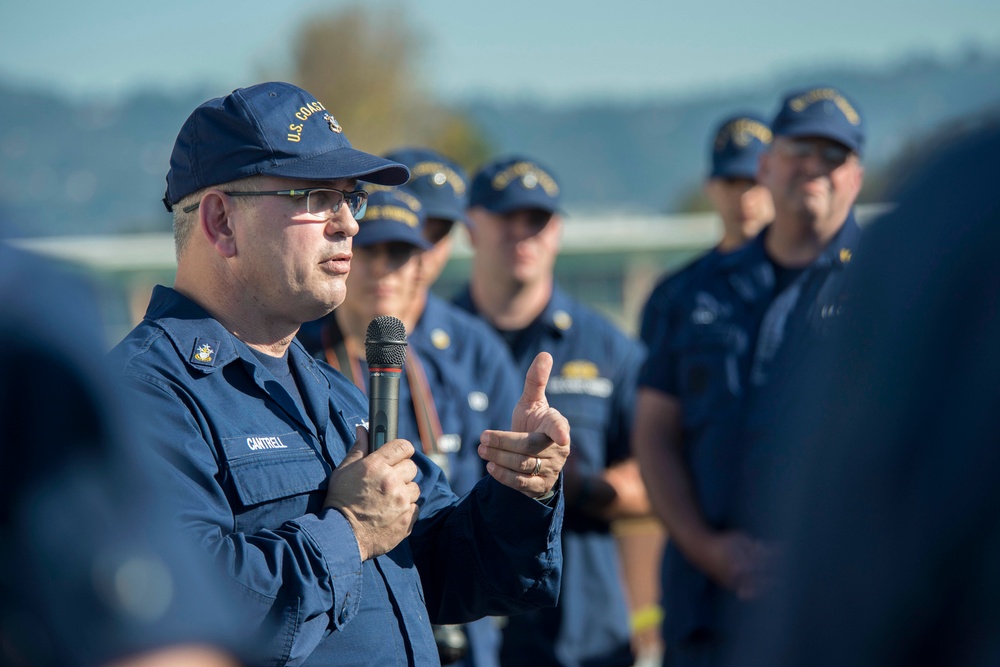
column 436, row 395
column 482, row 378
column 515, row 228
column 91, row 569
column 341, row 555
column 744, row 206
column 888, row 511
column 712, row 390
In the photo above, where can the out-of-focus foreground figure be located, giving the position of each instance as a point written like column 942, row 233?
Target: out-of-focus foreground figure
column 892, row 508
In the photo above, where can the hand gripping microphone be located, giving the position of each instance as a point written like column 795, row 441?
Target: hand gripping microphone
column 385, row 351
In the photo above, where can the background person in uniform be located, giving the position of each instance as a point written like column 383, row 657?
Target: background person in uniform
column 743, row 204
column 91, row 572
column 710, row 391
column 890, row 513
column 482, row 373
column 434, row 412
column 515, row 230
column 254, row 436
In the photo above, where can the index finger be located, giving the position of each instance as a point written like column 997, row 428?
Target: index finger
column 528, row 444
column 536, row 379
column 395, row 451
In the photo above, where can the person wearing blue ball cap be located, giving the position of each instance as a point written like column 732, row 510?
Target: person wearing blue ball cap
column 475, row 364
column 515, row 224
column 742, row 203
column 713, row 390
column 340, row 556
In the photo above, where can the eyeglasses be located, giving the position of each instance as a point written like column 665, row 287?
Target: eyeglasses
column 829, row 153
column 320, row 202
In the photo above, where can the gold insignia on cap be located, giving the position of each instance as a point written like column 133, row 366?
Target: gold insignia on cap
column 562, row 320
column 529, row 174
column 439, row 174
column 332, row 122
column 204, row 354
column 741, row 132
column 845, row 255
column 440, row 339
column 390, row 212
column 580, row 368
column 803, row 102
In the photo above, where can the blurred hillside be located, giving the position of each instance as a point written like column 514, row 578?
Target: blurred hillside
column 69, row 167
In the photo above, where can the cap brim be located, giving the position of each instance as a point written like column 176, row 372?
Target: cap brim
column 390, row 233
column 742, row 168
column 523, row 200
column 809, row 129
column 343, row 163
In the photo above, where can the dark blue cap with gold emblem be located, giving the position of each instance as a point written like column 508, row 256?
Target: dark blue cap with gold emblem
column 275, row 129
column 821, row 112
column 438, row 182
column 514, row 183
column 737, row 146
column 393, row 216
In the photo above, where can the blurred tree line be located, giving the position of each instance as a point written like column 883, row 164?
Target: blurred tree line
column 364, row 63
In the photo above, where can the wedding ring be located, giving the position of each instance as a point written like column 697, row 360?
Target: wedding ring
column 538, row 467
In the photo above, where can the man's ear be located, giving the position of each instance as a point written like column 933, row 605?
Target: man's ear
column 214, row 216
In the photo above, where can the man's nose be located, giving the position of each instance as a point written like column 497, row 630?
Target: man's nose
column 342, row 222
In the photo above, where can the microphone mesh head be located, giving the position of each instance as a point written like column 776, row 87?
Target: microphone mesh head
column 385, row 342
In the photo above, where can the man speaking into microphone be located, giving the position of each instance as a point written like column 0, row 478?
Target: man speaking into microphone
column 339, row 554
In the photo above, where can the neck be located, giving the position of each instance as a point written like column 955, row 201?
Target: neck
column 235, row 310
column 416, row 310
column 352, row 327
column 731, row 242
column 510, row 306
column 793, row 242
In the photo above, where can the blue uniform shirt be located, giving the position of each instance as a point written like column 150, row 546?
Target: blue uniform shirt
column 719, row 349
column 471, row 378
column 247, row 469
column 593, row 386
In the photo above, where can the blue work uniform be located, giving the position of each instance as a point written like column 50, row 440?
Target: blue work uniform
column 653, row 321
column 470, row 377
column 472, row 371
column 247, row 465
column 593, row 386
column 725, row 336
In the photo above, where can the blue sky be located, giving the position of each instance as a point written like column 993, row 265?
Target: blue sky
column 558, row 50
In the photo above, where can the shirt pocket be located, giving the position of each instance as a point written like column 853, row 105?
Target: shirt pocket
column 268, row 468
column 708, row 373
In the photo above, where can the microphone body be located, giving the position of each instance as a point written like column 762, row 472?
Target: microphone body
column 385, row 352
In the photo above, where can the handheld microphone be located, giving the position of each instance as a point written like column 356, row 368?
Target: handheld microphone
column 385, row 351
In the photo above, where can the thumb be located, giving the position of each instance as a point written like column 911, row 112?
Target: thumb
column 360, row 448
column 536, row 379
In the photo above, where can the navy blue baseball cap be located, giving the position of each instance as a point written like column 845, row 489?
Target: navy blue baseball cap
column 275, row 129
column 392, row 216
column 739, row 141
column 821, row 112
column 513, row 183
column 439, row 183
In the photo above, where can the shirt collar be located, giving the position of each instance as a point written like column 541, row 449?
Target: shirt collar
column 837, row 252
